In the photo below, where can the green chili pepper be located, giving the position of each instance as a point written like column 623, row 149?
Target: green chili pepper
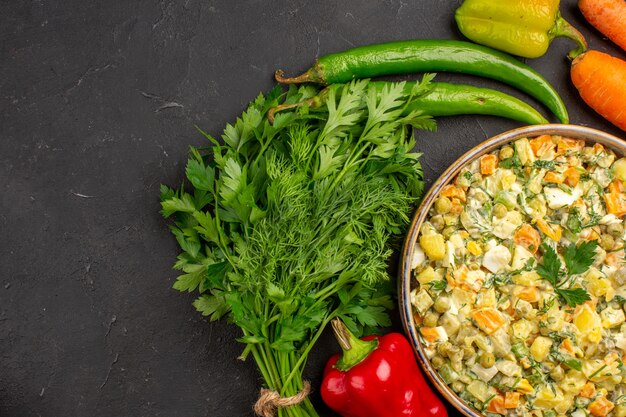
column 428, row 56
column 520, row 27
column 443, row 99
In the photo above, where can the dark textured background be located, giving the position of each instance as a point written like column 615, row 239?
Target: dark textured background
column 98, row 102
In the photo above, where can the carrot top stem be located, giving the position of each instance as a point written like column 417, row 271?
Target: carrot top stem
column 563, row 28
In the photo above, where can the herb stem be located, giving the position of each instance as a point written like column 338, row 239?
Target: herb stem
column 303, row 356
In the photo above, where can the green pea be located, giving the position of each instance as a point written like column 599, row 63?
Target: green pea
column 499, row 210
column 487, row 360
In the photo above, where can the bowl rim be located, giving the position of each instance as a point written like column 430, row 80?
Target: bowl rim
column 404, row 279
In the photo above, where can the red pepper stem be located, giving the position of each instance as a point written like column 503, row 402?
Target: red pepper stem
column 563, row 28
column 354, row 349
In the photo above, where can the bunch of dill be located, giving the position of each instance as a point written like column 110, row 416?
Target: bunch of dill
column 285, row 226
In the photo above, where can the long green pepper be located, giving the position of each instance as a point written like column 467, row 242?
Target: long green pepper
column 445, row 99
column 412, row 56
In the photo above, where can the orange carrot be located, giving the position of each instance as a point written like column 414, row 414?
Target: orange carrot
column 608, row 16
column 601, row 82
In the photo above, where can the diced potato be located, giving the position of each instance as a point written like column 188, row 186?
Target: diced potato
column 573, row 382
column 486, row 298
column 486, row 374
column 523, row 328
column 525, row 152
column 509, row 368
column 501, row 342
column 563, row 407
column 457, row 240
column 450, row 323
column 480, row 390
column 589, row 324
column 612, row 317
column 555, row 319
column 598, row 285
column 540, row 348
column 433, row 246
column 448, row 259
column 619, row 169
column 507, row 178
column 547, row 399
column 427, row 275
column 529, row 278
column 421, row 301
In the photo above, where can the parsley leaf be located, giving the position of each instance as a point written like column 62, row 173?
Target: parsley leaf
column 573, row 296
column 578, row 259
column 550, row 269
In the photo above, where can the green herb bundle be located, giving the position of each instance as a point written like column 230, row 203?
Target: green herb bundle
column 288, row 225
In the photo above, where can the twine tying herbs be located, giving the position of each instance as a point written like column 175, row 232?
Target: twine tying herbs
column 270, row 400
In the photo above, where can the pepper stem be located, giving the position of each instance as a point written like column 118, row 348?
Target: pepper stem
column 302, row 78
column 563, row 28
column 354, row 349
column 315, row 74
column 313, row 102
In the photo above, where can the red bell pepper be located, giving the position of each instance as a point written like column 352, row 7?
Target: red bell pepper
column 377, row 377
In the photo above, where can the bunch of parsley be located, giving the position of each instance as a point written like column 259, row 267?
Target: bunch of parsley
column 286, row 226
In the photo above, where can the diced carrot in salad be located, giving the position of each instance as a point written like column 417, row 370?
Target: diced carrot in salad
column 511, row 400
column 488, row 164
column 554, row 177
column 572, row 176
column 488, row 319
column 528, row 237
column 542, row 145
column 497, row 405
column 601, row 407
column 565, row 145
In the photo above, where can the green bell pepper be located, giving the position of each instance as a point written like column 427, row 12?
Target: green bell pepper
column 520, row 27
